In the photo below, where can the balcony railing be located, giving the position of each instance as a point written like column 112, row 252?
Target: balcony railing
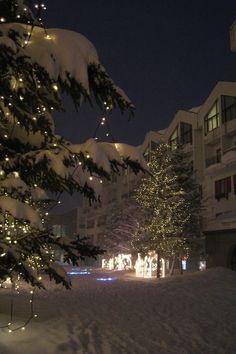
column 231, row 148
column 213, row 160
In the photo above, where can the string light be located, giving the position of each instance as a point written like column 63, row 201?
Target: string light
column 55, row 87
column 11, row 326
column 104, row 122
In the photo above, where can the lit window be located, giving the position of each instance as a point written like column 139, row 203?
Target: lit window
column 222, row 188
column 59, row 230
column 152, row 146
column 228, row 104
column 173, row 141
column 212, row 118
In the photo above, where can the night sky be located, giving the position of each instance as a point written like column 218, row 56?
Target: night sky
column 166, row 55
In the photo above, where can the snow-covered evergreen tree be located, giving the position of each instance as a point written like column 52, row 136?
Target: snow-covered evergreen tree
column 172, row 198
column 37, row 65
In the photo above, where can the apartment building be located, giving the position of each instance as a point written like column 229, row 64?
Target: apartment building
column 217, row 119
column 208, row 134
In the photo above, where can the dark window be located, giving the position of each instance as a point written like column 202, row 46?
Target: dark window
column 191, row 165
column 233, row 260
column 185, row 133
column 154, row 145
column 200, row 191
column 90, row 224
column 218, row 155
column 100, row 237
column 228, row 108
column 90, row 237
column 113, row 177
column 212, row 118
column 222, row 188
column 101, row 220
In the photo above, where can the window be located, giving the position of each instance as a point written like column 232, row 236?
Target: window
column 185, row 133
column 101, row 220
column 228, row 108
column 234, row 184
column 91, row 238
column 152, row 146
column 222, row 188
column 173, row 141
column 59, row 230
column 218, row 155
column 90, row 224
column 191, row 165
column 113, row 177
column 212, row 118
column 100, row 237
column 200, row 191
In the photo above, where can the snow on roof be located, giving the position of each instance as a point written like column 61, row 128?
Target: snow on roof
column 162, row 132
column 195, row 109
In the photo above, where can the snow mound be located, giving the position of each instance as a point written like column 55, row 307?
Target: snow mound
column 189, row 314
column 20, row 211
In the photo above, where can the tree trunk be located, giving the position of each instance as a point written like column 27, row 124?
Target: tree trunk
column 158, row 265
column 172, row 266
column 181, row 265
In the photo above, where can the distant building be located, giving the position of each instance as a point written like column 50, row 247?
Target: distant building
column 64, row 225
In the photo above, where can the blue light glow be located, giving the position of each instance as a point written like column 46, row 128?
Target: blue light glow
column 78, row 273
column 106, row 279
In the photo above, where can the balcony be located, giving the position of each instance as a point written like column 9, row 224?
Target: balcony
column 229, row 156
column 213, row 164
column 213, row 160
column 213, row 136
column 229, row 127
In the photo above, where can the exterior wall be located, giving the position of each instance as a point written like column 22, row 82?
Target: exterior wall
column 219, row 247
column 220, row 213
column 233, row 37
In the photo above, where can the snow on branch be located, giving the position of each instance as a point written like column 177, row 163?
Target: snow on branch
column 20, row 210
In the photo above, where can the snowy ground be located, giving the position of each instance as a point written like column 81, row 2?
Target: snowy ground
column 190, row 314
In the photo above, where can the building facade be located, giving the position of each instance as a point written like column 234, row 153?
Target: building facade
column 208, row 134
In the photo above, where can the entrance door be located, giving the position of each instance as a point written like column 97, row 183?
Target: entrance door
column 233, row 260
